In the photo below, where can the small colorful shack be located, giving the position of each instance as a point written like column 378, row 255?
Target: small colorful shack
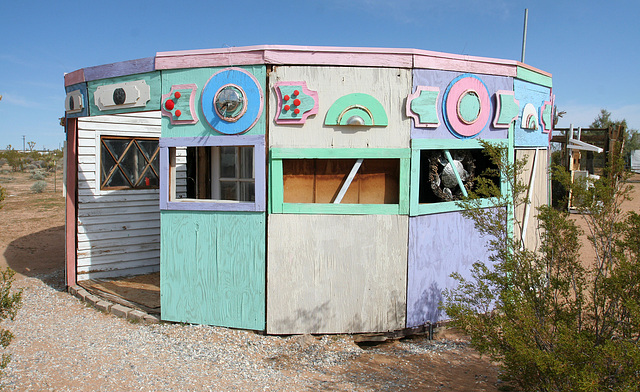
column 293, row 189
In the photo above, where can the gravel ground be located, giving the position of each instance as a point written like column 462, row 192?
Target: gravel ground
column 62, row 344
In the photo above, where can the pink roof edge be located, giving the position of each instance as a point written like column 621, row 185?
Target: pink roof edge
column 329, row 55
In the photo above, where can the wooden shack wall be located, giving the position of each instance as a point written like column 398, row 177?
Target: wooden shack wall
column 213, row 268
column 538, row 196
column 439, row 245
column 390, row 86
column 336, row 273
column 118, row 230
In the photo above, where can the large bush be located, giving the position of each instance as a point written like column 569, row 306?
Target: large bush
column 553, row 320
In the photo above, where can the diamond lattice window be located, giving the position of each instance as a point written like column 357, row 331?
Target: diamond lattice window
column 129, row 163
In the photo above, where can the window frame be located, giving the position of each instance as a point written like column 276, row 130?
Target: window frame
column 276, row 200
column 168, row 173
column 123, row 136
column 419, row 145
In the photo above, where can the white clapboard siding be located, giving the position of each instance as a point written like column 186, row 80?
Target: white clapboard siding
column 118, row 231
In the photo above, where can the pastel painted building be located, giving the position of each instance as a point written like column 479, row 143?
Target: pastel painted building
column 293, row 189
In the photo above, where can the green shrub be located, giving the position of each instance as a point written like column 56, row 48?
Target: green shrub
column 38, row 175
column 3, row 194
column 38, row 186
column 554, row 321
column 9, row 304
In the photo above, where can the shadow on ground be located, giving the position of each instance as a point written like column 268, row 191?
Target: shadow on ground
column 39, row 255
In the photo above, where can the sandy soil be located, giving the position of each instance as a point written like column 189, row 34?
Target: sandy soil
column 32, row 243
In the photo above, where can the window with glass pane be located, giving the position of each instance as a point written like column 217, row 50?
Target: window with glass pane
column 220, row 173
column 129, row 163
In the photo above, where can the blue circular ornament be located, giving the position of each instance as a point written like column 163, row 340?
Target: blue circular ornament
column 232, row 101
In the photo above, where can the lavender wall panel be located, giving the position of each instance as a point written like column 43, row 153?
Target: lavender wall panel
column 442, row 79
column 439, row 245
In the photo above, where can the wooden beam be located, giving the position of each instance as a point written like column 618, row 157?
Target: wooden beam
column 71, row 215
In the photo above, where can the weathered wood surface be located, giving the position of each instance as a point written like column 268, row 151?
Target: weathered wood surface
column 390, row 86
column 213, row 268
column 118, row 230
column 439, row 245
column 539, row 195
column 71, row 202
column 336, row 273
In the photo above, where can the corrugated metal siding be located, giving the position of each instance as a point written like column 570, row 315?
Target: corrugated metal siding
column 118, row 231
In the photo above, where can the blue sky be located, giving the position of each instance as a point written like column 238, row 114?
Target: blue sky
column 590, row 47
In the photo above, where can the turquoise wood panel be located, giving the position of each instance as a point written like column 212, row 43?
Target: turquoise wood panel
column 212, row 268
column 199, row 77
column 417, row 145
column 153, row 81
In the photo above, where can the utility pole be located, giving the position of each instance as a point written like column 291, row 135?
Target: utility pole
column 524, row 33
column 23, row 146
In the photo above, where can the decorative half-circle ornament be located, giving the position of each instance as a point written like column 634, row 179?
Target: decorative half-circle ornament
column 466, row 106
column 529, row 118
column 232, row 101
column 357, row 109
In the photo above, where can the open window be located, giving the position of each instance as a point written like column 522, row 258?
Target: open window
column 344, row 181
column 214, row 173
column 129, row 163
column 446, row 171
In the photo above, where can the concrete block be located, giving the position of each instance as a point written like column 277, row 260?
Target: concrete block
column 136, row 315
column 151, row 319
column 120, row 311
column 103, row 306
column 82, row 294
column 92, row 299
column 73, row 289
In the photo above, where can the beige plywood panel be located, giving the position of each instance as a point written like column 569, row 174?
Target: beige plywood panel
column 336, row 274
column 390, row 86
column 538, row 196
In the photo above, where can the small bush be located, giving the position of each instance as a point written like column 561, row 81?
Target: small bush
column 3, row 194
column 9, row 304
column 39, row 186
column 38, row 175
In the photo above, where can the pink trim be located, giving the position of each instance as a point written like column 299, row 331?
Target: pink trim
column 456, row 92
column 74, row 77
column 71, row 218
column 303, row 118
column 308, row 55
column 414, row 115
column 192, row 104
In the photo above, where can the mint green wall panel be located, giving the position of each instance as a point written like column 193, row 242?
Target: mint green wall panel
column 147, row 94
column 212, row 268
column 199, row 77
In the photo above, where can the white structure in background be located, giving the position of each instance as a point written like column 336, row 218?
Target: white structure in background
column 635, row 161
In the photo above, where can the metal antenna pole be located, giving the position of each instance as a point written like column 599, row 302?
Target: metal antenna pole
column 524, row 33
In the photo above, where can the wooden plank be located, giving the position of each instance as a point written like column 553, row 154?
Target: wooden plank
column 122, row 68
column 74, row 77
column 336, row 274
column 118, row 273
column 120, row 267
column 339, row 153
column 467, row 64
column 213, row 268
column 538, row 197
column 71, row 202
column 389, row 86
column 117, row 218
column 103, row 212
column 125, row 254
column 439, row 245
column 118, row 226
column 97, row 242
column 536, row 77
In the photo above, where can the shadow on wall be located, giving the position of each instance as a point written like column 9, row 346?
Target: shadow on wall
column 39, row 255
